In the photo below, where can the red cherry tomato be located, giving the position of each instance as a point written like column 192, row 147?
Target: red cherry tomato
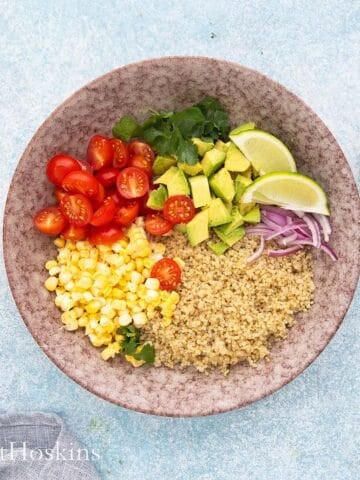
column 50, row 221
column 139, row 161
column 179, row 209
column 137, row 147
column 59, row 166
column 127, row 213
column 99, row 152
column 114, row 194
column 107, row 176
column 75, row 233
column 156, row 224
column 105, row 235
column 105, row 213
column 86, row 167
column 168, row 272
column 77, row 209
column 81, row 182
column 121, row 154
column 59, row 194
column 132, row 183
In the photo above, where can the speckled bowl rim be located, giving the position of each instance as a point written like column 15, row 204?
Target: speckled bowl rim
column 11, row 278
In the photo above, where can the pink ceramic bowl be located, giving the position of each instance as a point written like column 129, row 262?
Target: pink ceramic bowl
column 172, row 83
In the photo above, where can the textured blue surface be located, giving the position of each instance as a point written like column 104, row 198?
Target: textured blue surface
column 311, row 428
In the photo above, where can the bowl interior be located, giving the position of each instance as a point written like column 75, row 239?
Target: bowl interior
column 172, row 83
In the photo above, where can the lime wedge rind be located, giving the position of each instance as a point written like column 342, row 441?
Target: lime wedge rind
column 265, row 152
column 290, row 190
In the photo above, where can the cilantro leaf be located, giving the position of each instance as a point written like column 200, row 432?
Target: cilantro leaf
column 126, row 128
column 147, row 354
column 170, row 133
column 132, row 341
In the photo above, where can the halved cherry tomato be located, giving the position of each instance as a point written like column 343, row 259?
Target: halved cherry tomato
column 77, row 209
column 59, row 194
column 107, row 176
column 137, row 147
column 179, row 209
column 132, row 183
column 75, row 233
column 99, row 152
column 114, row 194
column 85, row 166
column 155, row 224
column 59, row 166
column 50, row 220
column 168, row 272
column 105, row 213
column 127, row 213
column 141, row 162
column 105, row 235
column 81, row 182
column 121, row 154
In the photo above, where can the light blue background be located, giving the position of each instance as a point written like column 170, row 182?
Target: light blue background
column 310, row 429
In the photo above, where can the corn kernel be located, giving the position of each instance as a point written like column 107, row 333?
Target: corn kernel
column 54, row 270
column 108, row 311
column 93, row 307
column 152, row 283
column 84, row 283
column 69, row 285
column 118, row 293
column 110, row 351
column 50, row 264
column 158, row 248
column 119, row 304
column 139, row 319
column 83, row 245
column 124, row 319
column 87, row 296
column 136, row 277
column 66, row 303
column 174, row 297
column 51, row 283
column 64, row 277
column 166, row 321
column 151, row 295
column 136, row 309
column 83, row 321
column 180, row 262
column 131, row 297
column 59, row 242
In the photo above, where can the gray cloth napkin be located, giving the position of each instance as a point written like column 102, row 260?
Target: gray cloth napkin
column 36, row 446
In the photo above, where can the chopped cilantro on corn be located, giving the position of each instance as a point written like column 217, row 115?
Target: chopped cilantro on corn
column 101, row 288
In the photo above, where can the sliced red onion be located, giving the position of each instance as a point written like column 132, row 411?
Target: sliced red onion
column 274, row 217
column 287, row 228
column 258, row 252
column 327, row 249
column 314, row 229
column 284, row 252
column 287, row 239
column 323, row 220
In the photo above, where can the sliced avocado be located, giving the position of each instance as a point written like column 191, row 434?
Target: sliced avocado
column 202, row 146
column 190, row 169
column 232, row 237
column 161, row 164
column 236, row 220
column 246, row 208
column 157, row 198
column 200, row 190
column 235, row 161
column 219, row 248
column 241, row 183
column 242, row 128
column 253, row 216
column 180, row 227
column 178, row 185
column 167, row 176
column 222, row 185
column 220, row 145
column 198, row 229
column 218, row 213
column 212, row 161
column 175, row 180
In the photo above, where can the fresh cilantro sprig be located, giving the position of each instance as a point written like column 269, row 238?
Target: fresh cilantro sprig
column 170, row 133
column 130, row 343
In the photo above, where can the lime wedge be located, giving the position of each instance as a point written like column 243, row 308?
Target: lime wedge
column 293, row 191
column 265, row 152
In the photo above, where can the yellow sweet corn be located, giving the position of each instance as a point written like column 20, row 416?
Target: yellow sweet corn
column 100, row 288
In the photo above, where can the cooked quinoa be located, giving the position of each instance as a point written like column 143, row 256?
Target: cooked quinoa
column 230, row 311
